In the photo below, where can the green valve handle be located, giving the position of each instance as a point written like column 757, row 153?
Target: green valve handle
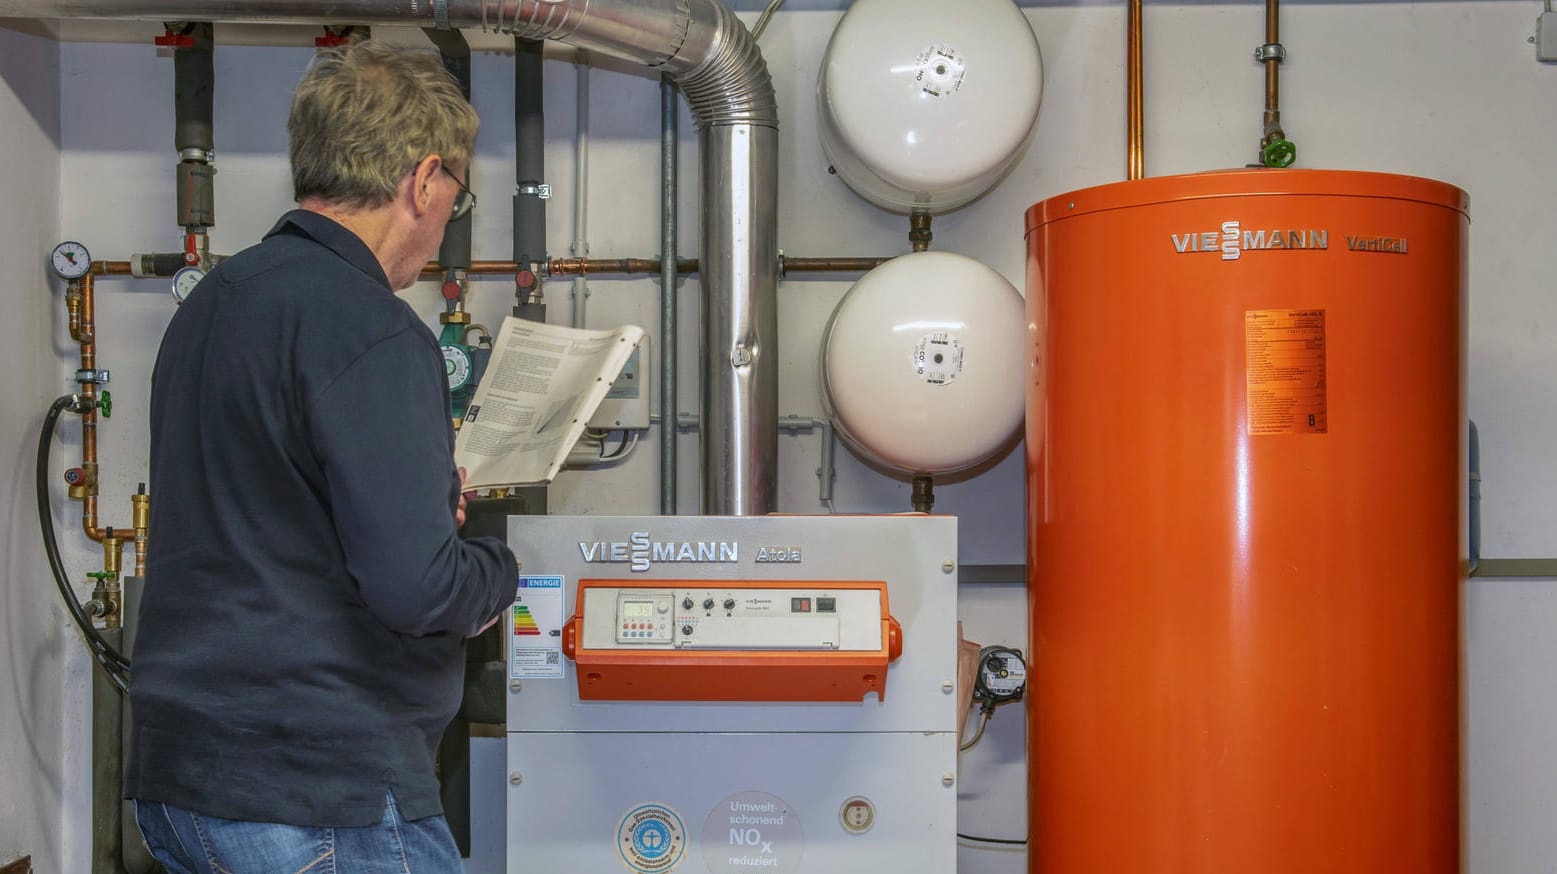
column 1280, row 153
column 102, row 575
column 106, row 404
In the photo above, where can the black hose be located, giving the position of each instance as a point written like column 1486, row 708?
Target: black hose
column 112, row 662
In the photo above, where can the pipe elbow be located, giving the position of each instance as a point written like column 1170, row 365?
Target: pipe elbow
column 722, row 71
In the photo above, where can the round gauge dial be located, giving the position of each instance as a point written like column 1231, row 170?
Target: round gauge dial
column 456, row 365
column 70, row 260
column 184, row 282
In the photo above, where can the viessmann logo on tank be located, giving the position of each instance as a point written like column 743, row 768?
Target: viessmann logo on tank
column 1232, row 240
column 639, row 551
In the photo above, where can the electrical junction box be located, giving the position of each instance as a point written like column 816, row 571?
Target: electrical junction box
column 1546, row 37
column 626, row 405
column 755, row 741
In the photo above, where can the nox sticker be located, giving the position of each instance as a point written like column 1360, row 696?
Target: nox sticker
column 753, row 831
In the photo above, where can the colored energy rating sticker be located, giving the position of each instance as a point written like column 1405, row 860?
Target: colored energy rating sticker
column 535, row 630
column 524, row 622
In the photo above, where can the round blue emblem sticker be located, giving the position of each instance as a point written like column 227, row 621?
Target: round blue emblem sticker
column 650, row 839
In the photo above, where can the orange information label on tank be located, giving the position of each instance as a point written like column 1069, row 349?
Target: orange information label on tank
column 1285, row 371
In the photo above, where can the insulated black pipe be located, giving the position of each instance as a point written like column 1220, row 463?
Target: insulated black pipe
column 455, row 253
column 455, row 51
column 193, row 90
column 529, row 175
column 194, row 86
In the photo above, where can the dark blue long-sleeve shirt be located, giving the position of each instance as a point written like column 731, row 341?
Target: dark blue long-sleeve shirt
column 301, row 637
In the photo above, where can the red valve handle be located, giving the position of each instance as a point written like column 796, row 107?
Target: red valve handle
column 175, row 40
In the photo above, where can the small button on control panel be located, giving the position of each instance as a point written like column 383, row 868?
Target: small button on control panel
column 643, row 617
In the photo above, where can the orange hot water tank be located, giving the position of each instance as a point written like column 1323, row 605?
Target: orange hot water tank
column 1246, row 471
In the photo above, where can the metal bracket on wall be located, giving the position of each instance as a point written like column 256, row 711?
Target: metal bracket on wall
column 1523, row 568
column 1006, row 574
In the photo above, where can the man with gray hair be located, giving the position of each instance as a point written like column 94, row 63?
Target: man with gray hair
column 301, row 638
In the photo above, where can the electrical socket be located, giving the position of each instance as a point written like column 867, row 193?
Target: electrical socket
column 626, row 405
column 1546, row 37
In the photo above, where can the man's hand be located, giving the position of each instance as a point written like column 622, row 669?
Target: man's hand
column 459, row 510
column 491, row 622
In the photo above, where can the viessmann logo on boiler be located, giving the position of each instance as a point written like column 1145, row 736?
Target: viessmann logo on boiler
column 1232, row 240
column 639, row 550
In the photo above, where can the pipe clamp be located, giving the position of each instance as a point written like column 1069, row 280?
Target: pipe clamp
column 1271, row 51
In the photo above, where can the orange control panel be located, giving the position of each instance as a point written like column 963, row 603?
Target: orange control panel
column 731, row 640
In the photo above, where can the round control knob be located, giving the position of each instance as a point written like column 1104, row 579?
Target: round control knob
column 686, row 631
column 729, row 603
column 686, row 603
column 708, row 603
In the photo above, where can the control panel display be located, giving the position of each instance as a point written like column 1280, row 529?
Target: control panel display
column 643, row 618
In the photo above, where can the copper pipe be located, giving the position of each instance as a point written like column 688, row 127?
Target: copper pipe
column 86, row 336
column 84, row 331
column 648, row 266
column 832, row 265
column 1137, row 124
column 1272, row 69
column 624, row 266
column 590, row 266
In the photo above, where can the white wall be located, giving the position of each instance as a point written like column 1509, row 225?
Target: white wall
column 1443, row 89
column 42, row 686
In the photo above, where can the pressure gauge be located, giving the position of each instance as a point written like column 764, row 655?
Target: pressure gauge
column 457, row 365
column 1002, row 675
column 184, row 282
column 70, row 260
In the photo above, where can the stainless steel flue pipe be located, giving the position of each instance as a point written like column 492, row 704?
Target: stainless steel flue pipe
column 708, row 53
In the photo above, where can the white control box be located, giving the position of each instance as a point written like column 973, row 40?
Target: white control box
column 626, row 405
column 1546, row 37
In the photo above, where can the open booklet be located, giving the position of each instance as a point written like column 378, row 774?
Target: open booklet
column 539, row 390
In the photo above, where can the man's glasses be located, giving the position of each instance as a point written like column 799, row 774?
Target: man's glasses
column 465, row 201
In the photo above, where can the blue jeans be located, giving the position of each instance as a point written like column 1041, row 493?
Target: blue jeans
column 191, row 843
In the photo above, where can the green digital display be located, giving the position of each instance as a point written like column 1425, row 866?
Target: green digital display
column 637, row 609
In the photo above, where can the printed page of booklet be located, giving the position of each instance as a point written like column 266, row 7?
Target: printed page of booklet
column 535, row 399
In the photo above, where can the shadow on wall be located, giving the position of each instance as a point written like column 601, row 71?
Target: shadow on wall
column 27, row 52
column 32, row 659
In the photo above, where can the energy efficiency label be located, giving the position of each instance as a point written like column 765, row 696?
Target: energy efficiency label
column 535, row 638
